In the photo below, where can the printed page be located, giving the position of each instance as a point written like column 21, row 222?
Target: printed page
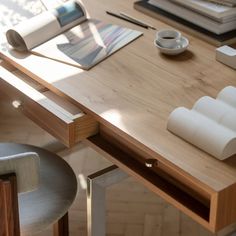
column 33, row 32
column 87, row 44
column 45, row 26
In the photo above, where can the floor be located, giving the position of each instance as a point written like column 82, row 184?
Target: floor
column 131, row 209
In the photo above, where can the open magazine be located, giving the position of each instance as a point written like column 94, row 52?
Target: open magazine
column 210, row 124
column 65, row 34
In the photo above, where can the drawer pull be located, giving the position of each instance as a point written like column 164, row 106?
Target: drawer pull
column 151, row 163
column 16, row 103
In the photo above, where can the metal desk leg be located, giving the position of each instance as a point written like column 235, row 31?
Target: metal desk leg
column 96, row 194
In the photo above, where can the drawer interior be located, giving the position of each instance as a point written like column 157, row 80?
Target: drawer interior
column 54, row 113
column 158, row 181
column 190, row 197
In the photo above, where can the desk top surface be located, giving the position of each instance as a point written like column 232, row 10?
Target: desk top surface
column 134, row 91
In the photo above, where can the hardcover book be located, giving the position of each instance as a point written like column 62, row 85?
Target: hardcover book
column 230, row 3
column 194, row 17
column 215, row 11
column 184, row 25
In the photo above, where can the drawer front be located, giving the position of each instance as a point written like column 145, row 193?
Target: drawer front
column 68, row 127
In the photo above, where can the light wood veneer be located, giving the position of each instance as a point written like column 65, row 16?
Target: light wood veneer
column 131, row 95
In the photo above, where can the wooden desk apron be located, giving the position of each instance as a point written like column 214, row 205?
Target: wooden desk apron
column 125, row 101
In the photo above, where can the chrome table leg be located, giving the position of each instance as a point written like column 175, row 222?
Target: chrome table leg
column 96, row 196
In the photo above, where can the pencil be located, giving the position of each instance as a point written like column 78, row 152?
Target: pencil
column 126, row 19
column 137, row 20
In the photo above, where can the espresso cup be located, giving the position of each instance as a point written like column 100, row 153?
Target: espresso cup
column 168, row 38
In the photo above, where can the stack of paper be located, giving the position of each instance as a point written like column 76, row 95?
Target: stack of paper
column 216, row 18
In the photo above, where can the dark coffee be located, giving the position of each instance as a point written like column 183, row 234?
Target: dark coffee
column 168, row 37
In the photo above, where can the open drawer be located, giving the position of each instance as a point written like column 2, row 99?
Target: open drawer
column 53, row 113
column 214, row 210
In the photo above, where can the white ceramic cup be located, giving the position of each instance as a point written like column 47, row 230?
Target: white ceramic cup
column 168, row 38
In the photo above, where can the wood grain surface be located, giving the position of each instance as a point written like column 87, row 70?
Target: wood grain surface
column 133, row 92
column 145, row 215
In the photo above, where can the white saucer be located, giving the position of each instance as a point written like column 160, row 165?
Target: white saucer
column 174, row 51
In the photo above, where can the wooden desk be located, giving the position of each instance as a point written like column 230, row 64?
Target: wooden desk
column 130, row 96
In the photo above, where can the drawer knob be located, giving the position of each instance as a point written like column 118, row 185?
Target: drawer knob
column 151, row 163
column 16, row 103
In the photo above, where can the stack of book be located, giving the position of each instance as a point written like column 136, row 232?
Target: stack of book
column 209, row 18
column 230, row 3
column 209, row 15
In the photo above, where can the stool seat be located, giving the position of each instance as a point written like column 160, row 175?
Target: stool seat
column 57, row 190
